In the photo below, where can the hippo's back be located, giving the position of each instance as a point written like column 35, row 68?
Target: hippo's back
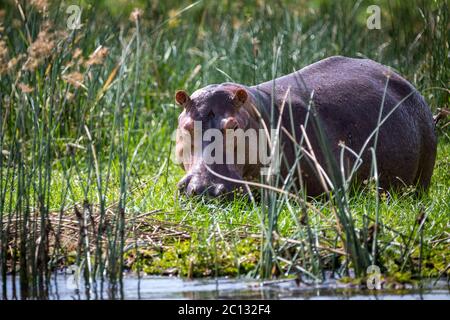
column 348, row 94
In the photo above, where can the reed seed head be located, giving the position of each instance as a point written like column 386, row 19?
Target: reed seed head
column 136, row 15
column 98, row 56
column 39, row 50
column 25, row 88
column 3, row 56
column 74, row 78
column 40, row 5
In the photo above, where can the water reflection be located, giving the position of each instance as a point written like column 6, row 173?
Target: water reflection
column 61, row 287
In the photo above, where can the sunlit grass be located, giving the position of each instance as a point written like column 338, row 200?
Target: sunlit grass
column 87, row 118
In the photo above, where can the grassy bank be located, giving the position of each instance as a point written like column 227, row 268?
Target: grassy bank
column 87, row 122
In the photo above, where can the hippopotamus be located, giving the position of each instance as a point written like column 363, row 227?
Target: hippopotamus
column 350, row 97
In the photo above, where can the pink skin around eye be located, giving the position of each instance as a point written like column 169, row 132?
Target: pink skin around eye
column 230, row 123
column 188, row 124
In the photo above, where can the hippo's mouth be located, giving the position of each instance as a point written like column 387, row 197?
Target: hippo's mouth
column 206, row 183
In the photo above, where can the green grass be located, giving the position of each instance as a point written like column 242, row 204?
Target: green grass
column 105, row 146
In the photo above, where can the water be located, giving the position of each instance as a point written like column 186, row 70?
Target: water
column 62, row 287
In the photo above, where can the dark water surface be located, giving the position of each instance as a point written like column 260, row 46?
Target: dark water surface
column 64, row 287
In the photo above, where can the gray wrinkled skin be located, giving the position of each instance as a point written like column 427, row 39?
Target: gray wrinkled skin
column 347, row 98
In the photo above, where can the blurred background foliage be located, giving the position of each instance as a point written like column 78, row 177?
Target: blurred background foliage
column 239, row 37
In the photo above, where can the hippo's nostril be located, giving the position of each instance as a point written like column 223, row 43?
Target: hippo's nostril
column 184, row 182
column 190, row 189
column 195, row 188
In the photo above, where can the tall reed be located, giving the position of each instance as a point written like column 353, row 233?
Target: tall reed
column 86, row 118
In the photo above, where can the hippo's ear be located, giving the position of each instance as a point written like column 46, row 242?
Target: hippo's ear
column 182, row 98
column 240, row 97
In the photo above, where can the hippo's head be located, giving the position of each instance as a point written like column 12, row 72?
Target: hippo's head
column 208, row 116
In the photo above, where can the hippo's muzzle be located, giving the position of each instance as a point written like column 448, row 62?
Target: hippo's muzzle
column 200, row 181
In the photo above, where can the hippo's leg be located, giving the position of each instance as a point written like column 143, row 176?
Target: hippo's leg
column 427, row 161
column 428, row 145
